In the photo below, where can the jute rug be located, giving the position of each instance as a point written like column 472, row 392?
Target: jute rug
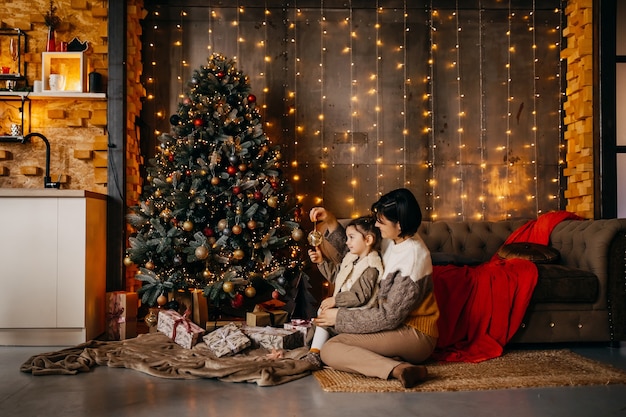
column 515, row 369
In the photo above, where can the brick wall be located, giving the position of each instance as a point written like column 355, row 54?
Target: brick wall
column 578, row 109
column 75, row 127
column 135, row 92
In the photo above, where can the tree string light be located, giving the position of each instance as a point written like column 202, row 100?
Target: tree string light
column 353, row 106
column 431, row 100
column 534, row 113
column 322, row 97
column 292, row 97
column 405, row 80
column 460, row 179
column 508, row 114
column 182, row 63
column 378, row 139
column 483, row 113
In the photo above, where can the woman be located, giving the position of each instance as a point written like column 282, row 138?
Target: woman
column 390, row 339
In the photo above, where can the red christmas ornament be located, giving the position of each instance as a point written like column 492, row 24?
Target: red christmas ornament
column 258, row 195
column 231, row 170
column 236, row 190
column 208, row 231
column 251, row 99
column 237, row 301
column 198, row 122
column 275, row 295
column 171, row 158
column 220, row 74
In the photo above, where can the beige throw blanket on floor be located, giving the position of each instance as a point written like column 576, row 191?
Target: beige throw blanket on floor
column 157, row 355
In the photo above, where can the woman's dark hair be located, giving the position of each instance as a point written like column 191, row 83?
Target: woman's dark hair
column 366, row 225
column 400, row 206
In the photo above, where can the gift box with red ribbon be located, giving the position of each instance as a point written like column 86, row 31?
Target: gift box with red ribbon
column 226, row 340
column 179, row 328
column 121, row 320
column 301, row 325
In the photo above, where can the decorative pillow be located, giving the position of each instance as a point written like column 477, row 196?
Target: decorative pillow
column 539, row 254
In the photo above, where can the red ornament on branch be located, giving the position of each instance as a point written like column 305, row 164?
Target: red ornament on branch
column 251, row 99
column 198, row 122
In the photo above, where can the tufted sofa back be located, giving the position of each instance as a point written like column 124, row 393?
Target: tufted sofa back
column 472, row 241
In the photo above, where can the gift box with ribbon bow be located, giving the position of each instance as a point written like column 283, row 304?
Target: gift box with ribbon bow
column 301, row 325
column 266, row 314
column 179, row 328
column 226, row 340
column 121, row 321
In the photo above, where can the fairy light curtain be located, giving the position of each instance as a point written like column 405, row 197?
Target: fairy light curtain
column 458, row 101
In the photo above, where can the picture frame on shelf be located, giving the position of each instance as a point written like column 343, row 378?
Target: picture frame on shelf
column 63, row 72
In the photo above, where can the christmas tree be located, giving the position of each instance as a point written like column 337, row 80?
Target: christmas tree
column 215, row 212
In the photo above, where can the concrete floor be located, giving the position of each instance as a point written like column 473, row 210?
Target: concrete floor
column 122, row 392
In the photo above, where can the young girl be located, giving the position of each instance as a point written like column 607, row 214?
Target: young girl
column 392, row 338
column 356, row 280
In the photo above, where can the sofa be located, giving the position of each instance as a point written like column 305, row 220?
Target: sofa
column 580, row 294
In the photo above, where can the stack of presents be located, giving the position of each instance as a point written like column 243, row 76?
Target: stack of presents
column 267, row 326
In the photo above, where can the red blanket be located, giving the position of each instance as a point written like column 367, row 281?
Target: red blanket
column 481, row 307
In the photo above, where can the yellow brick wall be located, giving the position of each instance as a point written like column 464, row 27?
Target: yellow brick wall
column 135, row 91
column 578, row 109
column 70, row 124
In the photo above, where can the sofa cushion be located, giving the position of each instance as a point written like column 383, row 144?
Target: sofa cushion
column 539, row 254
column 562, row 284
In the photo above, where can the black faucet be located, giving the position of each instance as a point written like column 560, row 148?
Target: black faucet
column 47, row 181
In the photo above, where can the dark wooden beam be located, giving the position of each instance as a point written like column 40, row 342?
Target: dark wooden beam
column 116, row 126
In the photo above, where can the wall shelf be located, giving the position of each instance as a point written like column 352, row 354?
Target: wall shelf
column 56, row 94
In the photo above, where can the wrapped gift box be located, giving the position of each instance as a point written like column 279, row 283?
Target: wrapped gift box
column 200, row 307
column 216, row 324
column 266, row 318
column 226, row 340
column 273, row 338
column 179, row 328
column 301, row 325
column 121, row 315
column 194, row 301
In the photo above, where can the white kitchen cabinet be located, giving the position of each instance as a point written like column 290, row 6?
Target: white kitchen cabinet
column 52, row 266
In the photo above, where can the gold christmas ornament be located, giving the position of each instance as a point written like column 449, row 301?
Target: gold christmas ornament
column 149, row 265
column 201, row 252
column 215, row 180
column 315, row 238
column 207, row 273
column 237, row 229
column 166, row 214
column 251, row 224
column 128, row 261
column 161, row 300
column 238, row 254
column 272, row 201
column 228, row 287
column 222, row 224
column 250, row 291
column 297, row 234
column 188, row 226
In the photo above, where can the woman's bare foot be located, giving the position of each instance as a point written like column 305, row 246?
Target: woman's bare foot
column 409, row 375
